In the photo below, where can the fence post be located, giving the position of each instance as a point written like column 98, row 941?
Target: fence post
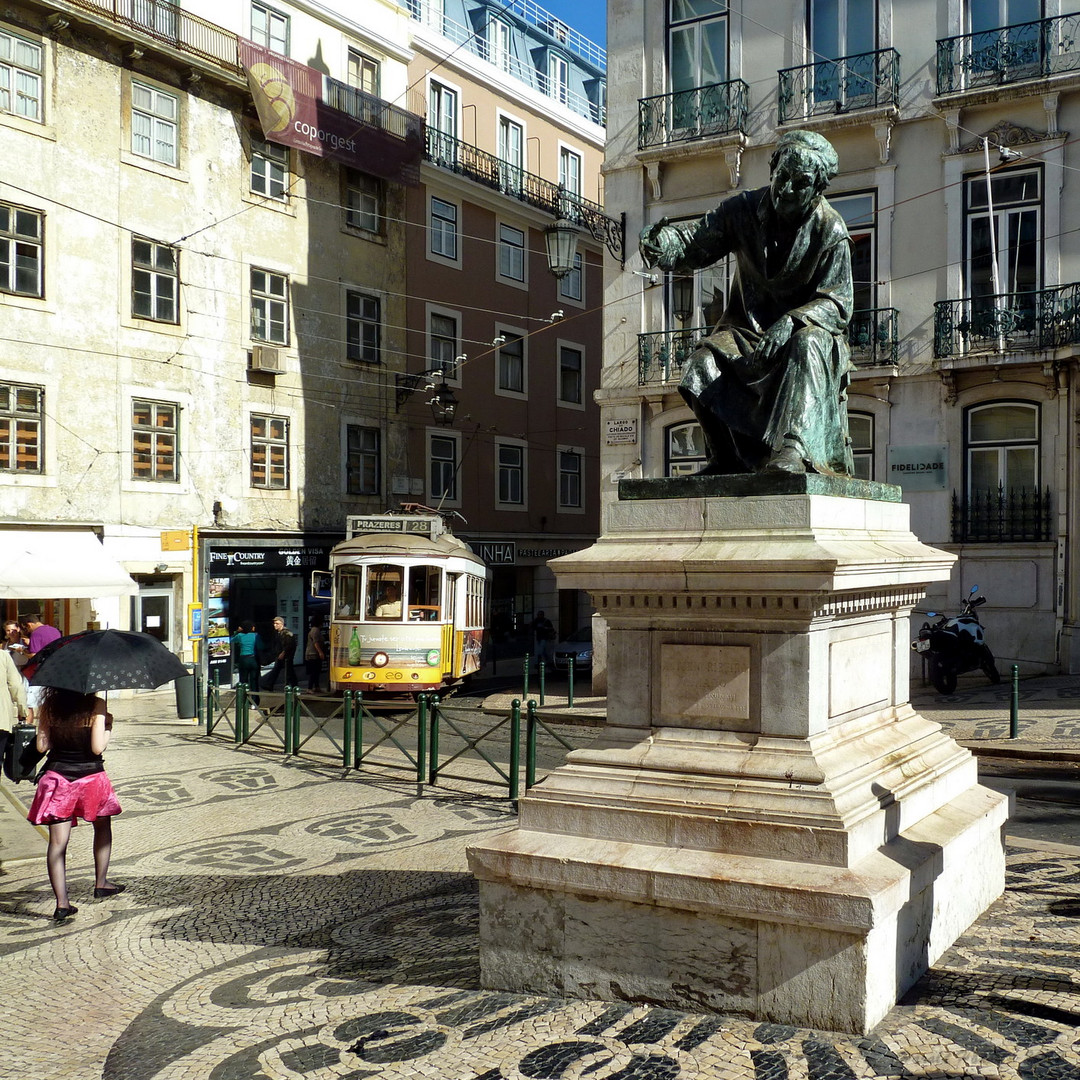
column 525, row 678
column 515, row 747
column 286, row 739
column 541, row 672
column 358, row 727
column 530, row 746
column 346, row 734
column 211, row 703
column 570, row 682
column 421, row 744
column 200, row 716
column 1014, row 705
column 240, row 709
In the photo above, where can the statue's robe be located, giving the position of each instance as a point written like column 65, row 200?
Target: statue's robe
column 750, row 409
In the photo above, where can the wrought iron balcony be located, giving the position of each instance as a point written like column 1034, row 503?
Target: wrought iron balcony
column 1009, row 322
column 661, row 355
column 1006, row 55
column 863, row 81
column 1001, row 515
column 718, row 109
column 873, row 338
column 487, row 169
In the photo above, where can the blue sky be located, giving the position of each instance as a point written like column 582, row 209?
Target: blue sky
column 588, row 17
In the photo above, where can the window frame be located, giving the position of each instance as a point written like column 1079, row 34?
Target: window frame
column 15, row 246
column 155, row 275
column 511, row 256
column 161, row 441
column 511, row 476
column 572, row 285
column 696, row 29
column 362, row 462
column 511, row 335
column 31, row 418
column 562, row 347
column 363, row 329
column 16, row 69
column 1003, row 445
column 449, row 228
column 437, row 494
column 684, row 464
column 565, row 505
column 451, row 370
column 265, row 36
column 274, row 172
column 357, row 64
column 268, row 440
column 367, row 220
column 262, row 300
column 866, row 452
column 157, row 121
column 571, row 169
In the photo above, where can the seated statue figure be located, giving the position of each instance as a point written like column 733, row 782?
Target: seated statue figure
column 769, row 383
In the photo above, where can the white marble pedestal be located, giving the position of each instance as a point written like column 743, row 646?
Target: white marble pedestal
column 765, row 826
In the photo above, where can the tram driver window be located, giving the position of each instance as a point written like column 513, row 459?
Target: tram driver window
column 384, row 592
column 424, row 584
column 348, row 594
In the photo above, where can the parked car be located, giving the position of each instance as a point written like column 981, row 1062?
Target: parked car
column 577, row 645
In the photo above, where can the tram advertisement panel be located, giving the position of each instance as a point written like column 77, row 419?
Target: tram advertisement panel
column 403, row 654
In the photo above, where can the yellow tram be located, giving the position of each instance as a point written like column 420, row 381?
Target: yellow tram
column 408, row 605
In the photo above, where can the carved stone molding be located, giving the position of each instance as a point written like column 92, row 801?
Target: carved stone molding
column 883, row 134
column 952, row 126
column 57, row 22
column 733, row 157
column 1006, row 133
column 652, row 170
column 949, row 383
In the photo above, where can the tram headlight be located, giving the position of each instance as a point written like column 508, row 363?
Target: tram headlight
column 433, row 658
column 380, row 659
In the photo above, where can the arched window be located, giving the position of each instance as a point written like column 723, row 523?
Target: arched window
column 1001, row 458
column 684, row 449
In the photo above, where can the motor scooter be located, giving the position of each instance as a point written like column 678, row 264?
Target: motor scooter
column 953, row 646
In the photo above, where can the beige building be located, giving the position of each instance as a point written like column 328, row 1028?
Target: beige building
column 960, row 191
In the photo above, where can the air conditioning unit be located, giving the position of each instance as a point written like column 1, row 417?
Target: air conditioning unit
column 266, row 359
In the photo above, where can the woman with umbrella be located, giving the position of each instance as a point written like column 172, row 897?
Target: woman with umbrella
column 74, row 730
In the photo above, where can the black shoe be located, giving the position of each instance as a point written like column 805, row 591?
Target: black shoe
column 109, row 890
column 62, row 913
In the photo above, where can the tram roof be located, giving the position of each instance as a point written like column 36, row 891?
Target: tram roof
column 408, row 546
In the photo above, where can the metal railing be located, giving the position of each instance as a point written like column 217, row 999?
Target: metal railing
column 1001, row 515
column 686, row 115
column 1008, row 322
column 661, row 354
column 862, row 81
column 472, row 40
column 448, row 152
column 171, row 25
column 873, row 337
column 1009, row 54
column 372, row 110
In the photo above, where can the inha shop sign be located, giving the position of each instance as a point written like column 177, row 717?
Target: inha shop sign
column 290, row 99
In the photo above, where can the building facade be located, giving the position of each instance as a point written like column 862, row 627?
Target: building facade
column 207, row 299
column 951, row 119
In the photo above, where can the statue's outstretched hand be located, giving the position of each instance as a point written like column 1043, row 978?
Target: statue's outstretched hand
column 650, row 242
column 775, row 338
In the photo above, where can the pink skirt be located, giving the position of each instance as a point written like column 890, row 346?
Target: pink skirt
column 57, row 799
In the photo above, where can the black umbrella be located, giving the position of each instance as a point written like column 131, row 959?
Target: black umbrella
column 98, row 660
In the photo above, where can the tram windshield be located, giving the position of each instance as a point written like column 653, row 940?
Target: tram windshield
column 413, row 593
column 424, row 600
column 385, row 587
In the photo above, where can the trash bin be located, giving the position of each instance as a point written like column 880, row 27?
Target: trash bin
column 187, row 704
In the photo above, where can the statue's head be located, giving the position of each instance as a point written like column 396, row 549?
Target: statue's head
column 800, row 169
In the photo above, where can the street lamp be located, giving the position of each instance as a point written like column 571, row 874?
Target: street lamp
column 682, row 296
column 561, row 238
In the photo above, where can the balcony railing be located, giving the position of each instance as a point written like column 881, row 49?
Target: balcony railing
column 168, row 23
column 1009, row 322
column 1024, row 51
column 864, row 81
column 718, row 109
column 873, row 338
column 661, row 355
column 372, row 110
column 1001, row 515
column 487, row 169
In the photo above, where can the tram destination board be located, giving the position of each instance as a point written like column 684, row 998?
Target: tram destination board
column 356, row 525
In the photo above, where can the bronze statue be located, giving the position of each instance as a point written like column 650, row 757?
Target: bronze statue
column 769, row 383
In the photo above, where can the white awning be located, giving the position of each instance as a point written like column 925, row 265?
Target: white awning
column 58, row 565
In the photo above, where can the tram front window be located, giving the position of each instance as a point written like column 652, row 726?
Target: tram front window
column 384, row 591
column 424, row 587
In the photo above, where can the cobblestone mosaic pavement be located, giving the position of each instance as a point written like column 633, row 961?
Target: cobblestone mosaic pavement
column 285, row 920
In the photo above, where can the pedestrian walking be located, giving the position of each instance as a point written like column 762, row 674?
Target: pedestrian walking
column 14, row 643
column 284, row 651
column 314, row 653
column 245, row 643
column 12, row 699
column 73, row 731
column 543, row 638
column 39, row 634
